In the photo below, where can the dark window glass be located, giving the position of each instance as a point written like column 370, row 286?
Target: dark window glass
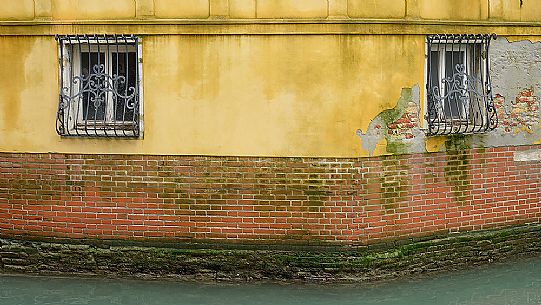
column 124, row 65
column 435, row 80
column 94, row 99
column 434, row 69
column 454, row 60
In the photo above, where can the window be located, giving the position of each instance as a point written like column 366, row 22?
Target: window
column 99, row 86
column 458, row 88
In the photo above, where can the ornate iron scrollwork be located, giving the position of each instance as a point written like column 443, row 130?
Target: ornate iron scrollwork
column 459, row 92
column 98, row 84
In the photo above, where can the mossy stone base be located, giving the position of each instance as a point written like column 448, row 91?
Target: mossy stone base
column 203, row 262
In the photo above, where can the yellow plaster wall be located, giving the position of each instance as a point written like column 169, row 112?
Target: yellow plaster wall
column 453, row 9
column 182, row 9
column 292, row 8
column 145, row 8
column 522, row 38
column 17, row 10
column 93, row 10
column 377, row 8
column 530, row 10
column 29, row 69
column 242, row 8
column 338, row 9
column 43, row 9
column 127, row 10
column 268, row 95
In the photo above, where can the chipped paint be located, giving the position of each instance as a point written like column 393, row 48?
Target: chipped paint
column 399, row 126
column 516, row 82
column 271, row 95
column 521, row 114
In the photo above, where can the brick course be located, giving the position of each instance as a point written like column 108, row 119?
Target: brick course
column 356, row 201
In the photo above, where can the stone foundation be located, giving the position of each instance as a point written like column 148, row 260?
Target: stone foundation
column 241, row 263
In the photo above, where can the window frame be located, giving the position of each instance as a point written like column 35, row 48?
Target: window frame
column 471, row 96
column 71, row 120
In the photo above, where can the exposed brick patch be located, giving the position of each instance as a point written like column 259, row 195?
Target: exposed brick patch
column 403, row 128
column 522, row 115
column 266, row 200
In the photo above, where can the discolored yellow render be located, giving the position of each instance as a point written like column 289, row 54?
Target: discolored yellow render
column 292, row 9
column 408, row 10
column 453, row 9
column 529, row 10
column 17, row 10
column 93, row 10
column 377, row 8
column 228, row 95
column 181, row 9
column 242, row 9
column 239, row 77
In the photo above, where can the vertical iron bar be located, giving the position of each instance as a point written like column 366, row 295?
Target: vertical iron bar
column 127, row 78
column 136, row 105
column 464, row 112
column 108, row 71
column 80, row 102
column 60, row 114
column 115, row 85
column 481, row 98
column 428, row 85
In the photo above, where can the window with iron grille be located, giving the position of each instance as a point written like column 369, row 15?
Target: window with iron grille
column 458, row 90
column 99, row 86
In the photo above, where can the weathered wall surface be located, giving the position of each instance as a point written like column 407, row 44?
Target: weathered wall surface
column 516, row 78
column 516, row 81
column 268, row 87
column 270, row 95
column 270, row 200
column 269, row 122
column 465, row 10
column 277, row 95
column 194, row 262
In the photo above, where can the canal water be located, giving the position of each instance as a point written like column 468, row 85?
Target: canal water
column 514, row 283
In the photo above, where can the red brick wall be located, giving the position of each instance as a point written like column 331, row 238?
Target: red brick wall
column 266, row 200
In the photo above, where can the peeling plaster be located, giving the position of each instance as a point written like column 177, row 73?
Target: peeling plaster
column 399, row 126
column 527, row 156
column 516, row 84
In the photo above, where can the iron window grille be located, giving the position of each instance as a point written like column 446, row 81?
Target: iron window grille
column 99, row 86
column 459, row 91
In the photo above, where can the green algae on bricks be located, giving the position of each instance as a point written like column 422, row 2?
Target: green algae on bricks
column 393, row 183
column 456, row 169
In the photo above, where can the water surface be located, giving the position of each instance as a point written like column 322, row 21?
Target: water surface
column 514, row 283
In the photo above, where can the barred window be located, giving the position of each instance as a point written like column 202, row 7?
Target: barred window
column 99, row 86
column 458, row 90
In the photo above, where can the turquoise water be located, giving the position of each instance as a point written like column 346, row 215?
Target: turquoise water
column 516, row 283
